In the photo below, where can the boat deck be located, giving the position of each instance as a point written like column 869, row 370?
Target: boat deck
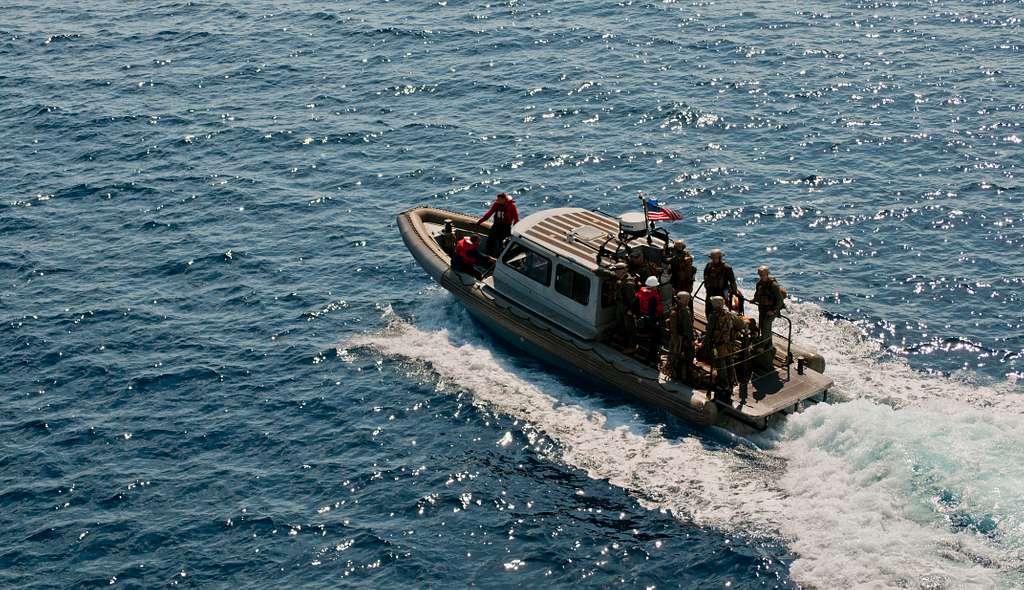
column 769, row 394
column 772, row 393
column 751, row 403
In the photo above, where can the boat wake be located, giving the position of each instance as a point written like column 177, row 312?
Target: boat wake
column 913, row 481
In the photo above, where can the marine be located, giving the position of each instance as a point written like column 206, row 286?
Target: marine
column 744, row 337
column 720, row 341
column 719, row 281
column 640, row 268
column 626, row 287
column 770, row 300
column 665, row 287
column 681, row 267
column 681, row 338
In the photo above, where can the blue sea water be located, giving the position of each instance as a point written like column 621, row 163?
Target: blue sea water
column 221, row 368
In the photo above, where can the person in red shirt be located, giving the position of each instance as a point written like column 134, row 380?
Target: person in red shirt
column 651, row 309
column 467, row 256
column 505, row 216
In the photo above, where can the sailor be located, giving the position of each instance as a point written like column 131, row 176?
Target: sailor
column 681, row 266
column 650, row 308
column 680, row 329
column 721, row 343
column 769, row 299
column 505, row 216
column 467, row 256
column 640, row 268
column 625, row 303
column 719, row 281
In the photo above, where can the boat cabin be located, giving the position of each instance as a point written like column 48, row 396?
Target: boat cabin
column 558, row 263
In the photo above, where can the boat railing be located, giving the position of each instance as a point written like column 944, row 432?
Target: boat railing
column 734, row 360
column 789, row 343
column 737, row 360
column 621, row 242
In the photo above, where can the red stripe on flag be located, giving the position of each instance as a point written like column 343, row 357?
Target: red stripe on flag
column 665, row 214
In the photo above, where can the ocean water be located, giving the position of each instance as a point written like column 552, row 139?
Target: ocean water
column 221, row 368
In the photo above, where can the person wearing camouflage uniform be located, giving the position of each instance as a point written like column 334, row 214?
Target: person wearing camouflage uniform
column 745, row 334
column 626, row 287
column 719, row 281
column 640, row 268
column 681, row 339
column 769, row 299
column 681, row 267
column 720, row 330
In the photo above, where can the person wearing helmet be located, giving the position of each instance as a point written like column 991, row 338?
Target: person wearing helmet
column 649, row 305
column 770, row 300
column 720, row 340
column 680, row 330
column 744, row 336
column 625, row 302
column 639, row 267
column 681, row 267
column 719, row 281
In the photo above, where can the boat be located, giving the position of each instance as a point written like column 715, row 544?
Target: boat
column 548, row 293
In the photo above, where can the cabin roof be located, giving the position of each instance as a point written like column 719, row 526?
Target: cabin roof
column 570, row 232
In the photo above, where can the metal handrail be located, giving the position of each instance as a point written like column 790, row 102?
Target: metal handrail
column 748, row 349
column 789, row 343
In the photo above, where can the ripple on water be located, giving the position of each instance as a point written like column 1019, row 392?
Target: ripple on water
column 190, row 233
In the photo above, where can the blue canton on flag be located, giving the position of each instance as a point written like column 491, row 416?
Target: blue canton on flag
column 656, row 212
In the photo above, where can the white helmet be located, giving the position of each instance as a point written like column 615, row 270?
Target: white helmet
column 651, row 282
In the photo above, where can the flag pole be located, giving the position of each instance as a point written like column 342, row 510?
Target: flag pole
column 647, row 222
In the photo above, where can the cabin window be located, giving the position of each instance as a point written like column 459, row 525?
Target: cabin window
column 572, row 284
column 529, row 263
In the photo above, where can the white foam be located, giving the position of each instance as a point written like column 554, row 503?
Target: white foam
column 857, row 365
column 705, row 485
column 861, row 492
column 880, row 488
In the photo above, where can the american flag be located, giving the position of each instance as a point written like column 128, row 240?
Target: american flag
column 656, row 212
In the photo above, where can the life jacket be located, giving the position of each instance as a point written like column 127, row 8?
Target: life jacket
column 625, row 290
column 717, row 277
column 465, row 250
column 649, row 301
column 683, row 271
column 721, row 336
column 769, row 293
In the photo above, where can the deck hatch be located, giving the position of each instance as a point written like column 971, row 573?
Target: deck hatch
column 587, row 233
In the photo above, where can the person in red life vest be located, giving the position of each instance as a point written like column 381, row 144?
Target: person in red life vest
column 467, row 256
column 650, row 311
column 505, row 216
